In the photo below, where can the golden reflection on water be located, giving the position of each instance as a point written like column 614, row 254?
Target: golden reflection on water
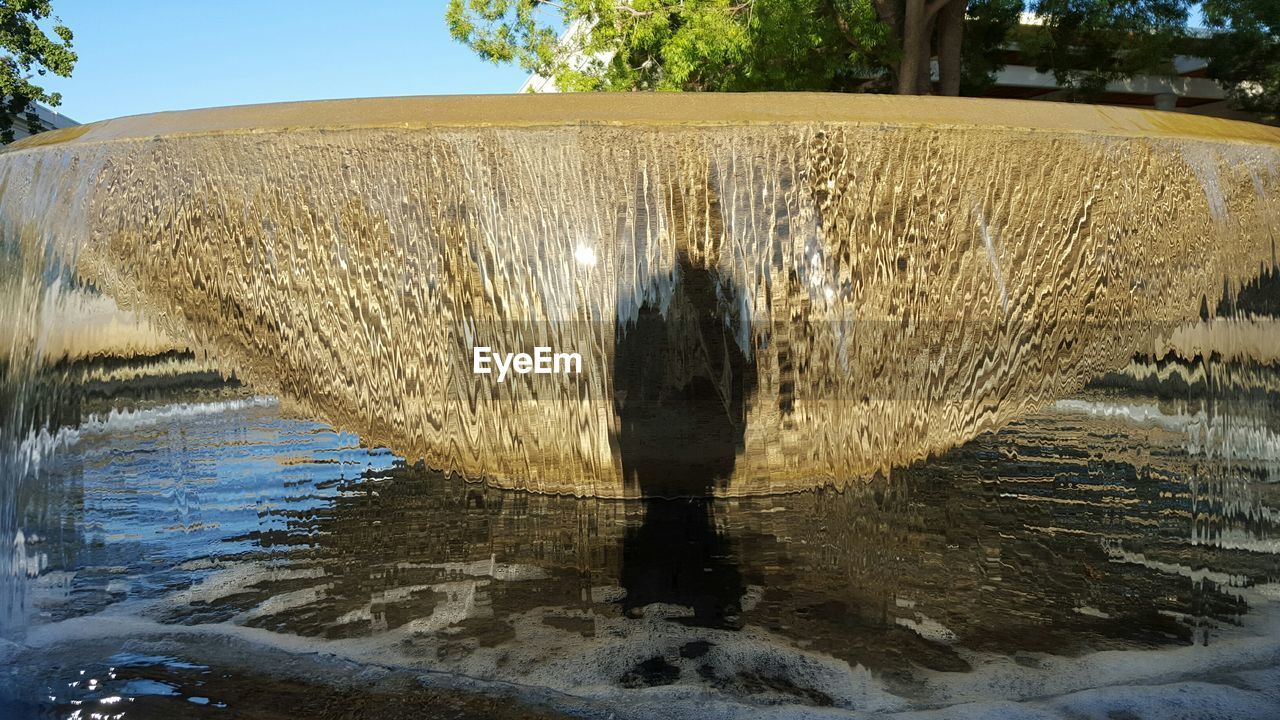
column 947, row 408
column 883, row 290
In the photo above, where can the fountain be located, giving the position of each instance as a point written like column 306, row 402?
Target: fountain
column 1021, row 357
column 855, row 282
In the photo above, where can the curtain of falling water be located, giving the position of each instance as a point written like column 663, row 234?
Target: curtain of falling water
column 37, row 205
column 891, row 291
column 894, row 290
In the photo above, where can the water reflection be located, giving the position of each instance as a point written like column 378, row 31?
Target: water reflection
column 999, row 546
column 1121, row 520
column 681, row 381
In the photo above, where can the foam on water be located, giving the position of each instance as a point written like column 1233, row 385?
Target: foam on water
column 583, row 672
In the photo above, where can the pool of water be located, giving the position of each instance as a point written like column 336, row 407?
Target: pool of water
column 195, row 551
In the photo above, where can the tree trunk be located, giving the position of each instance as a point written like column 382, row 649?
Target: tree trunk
column 915, row 48
column 924, row 73
column 890, row 13
column 950, row 36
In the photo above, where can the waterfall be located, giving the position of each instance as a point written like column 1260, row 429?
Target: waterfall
column 894, row 275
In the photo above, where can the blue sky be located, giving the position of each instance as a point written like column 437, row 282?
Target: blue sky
column 139, row 57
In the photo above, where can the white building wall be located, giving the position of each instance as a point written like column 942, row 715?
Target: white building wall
column 48, row 118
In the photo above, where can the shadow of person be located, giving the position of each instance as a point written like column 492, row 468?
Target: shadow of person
column 680, row 384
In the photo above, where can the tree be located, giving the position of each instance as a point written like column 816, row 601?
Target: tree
column 1244, row 52
column 29, row 53
column 915, row 27
column 695, row 45
column 870, row 45
column 1089, row 43
column 988, row 24
column 837, row 45
column 842, row 45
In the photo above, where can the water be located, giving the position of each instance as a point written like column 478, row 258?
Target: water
column 878, row 416
column 1126, row 539
column 882, row 287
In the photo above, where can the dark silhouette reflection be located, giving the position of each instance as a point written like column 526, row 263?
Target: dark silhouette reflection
column 1036, row 538
column 680, row 383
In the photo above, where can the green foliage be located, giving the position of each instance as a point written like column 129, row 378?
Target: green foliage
column 855, row 45
column 987, row 26
column 702, row 45
column 1244, row 52
column 29, row 53
column 710, row 45
column 1089, row 43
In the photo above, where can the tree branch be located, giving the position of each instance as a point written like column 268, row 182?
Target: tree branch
column 634, row 12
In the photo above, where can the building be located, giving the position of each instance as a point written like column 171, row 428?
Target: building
column 47, row 118
column 1188, row 88
column 573, row 35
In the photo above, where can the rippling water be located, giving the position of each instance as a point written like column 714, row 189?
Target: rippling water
column 861, row 288
column 195, row 551
column 1020, row 385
